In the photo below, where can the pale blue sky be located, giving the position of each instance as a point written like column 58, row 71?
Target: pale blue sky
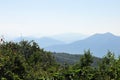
column 50, row 17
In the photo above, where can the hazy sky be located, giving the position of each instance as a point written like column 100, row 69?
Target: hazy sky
column 50, row 17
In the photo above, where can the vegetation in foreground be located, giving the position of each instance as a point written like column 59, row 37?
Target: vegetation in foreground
column 27, row 61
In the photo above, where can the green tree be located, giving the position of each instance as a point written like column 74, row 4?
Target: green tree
column 86, row 59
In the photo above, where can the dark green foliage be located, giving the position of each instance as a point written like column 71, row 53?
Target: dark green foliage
column 24, row 60
column 27, row 61
column 66, row 58
column 86, row 59
column 72, row 59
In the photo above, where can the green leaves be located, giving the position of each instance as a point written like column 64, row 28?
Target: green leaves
column 24, row 60
column 27, row 61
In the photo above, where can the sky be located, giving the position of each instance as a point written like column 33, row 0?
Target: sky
column 50, row 17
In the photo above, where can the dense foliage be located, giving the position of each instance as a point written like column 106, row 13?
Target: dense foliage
column 27, row 61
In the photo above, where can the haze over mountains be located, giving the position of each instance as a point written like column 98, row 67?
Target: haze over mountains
column 99, row 44
column 55, row 40
column 69, row 37
column 43, row 41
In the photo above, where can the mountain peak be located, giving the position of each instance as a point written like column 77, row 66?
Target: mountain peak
column 108, row 33
column 99, row 44
column 105, row 35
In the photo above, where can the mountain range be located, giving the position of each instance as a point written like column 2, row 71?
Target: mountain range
column 54, row 40
column 69, row 37
column 43, row 41
column 99, row 44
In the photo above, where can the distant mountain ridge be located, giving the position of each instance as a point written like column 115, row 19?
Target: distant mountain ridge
column 99, row 44
column 43, row 41
column 46, row 41
column 54, row 40
column 69, row 37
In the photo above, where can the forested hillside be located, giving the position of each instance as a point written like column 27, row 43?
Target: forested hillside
column 27, row 61
column 71, row 59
